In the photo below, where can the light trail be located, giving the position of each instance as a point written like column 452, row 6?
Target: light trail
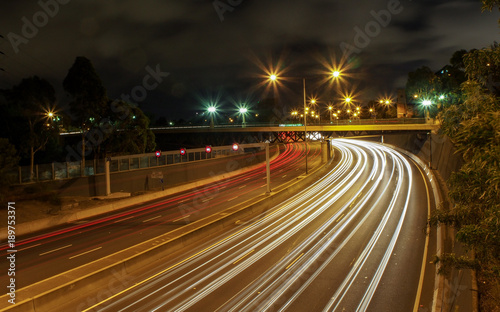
column 379, row 200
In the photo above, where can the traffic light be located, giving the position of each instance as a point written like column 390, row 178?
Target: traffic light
column 208, row 149
column 158, row 153
column 235, row 147
column 183, row 151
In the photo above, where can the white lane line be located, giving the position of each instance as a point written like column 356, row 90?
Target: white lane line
column 205, row 200
column 283, row 176
column 152, row 218
column 230, row 199
column 247, row 179
column 47, row 252
column 243, row 256
column 241, row 187
column 184, row 217
column 28, row 247
column 294, row 261
column 123, row 219
column 83, row 253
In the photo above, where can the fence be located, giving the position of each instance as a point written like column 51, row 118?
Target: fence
column 68, row 170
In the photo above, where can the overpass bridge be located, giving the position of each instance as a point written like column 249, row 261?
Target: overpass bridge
column 287, row 133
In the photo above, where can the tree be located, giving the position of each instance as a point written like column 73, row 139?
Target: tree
column 474, row 127
column 421, row 82
column 89, row 99
column 8, row 160
column 30, row 103
column 131, row 133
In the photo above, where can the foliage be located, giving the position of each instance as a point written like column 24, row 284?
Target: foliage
column 421, row 81
column 127, row 126
column 474, row 127
column 8, row 160
column 28, row 123
column 130, row 134
column 86, row 89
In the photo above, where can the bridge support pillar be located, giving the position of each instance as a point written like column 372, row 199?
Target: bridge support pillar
column 324, row 152
column 108, row 180
column 268, row 171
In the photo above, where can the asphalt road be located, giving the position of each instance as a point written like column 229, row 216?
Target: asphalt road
column 352, row 241
column 55, row 251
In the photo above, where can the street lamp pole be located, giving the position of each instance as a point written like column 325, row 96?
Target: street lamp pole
column 305, row 118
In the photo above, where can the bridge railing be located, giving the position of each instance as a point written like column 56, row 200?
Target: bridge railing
column 69, row 170
column 353, row 121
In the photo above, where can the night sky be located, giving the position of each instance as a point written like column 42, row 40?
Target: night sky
column 221, row 53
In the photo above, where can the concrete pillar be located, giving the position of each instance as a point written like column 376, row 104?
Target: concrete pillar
column 268, row 170
column 108, row 180
column 324, row 152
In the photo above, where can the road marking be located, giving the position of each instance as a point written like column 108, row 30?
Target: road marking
column 184, row 217
column 244, row 256
column 424, row 260
column 208, row 199
column 339, row 218
column 241, row 187
column 27, row 247
column 283, row 176
column 169, row 268
column 233, row 198
column 247, row 179
column 264, row 185
column 47, row 252
column 124, row 219
column 152, row 218
column 83, row 253
column 294, row 261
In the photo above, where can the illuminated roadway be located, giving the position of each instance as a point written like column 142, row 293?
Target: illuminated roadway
column 351, row 241
column 54, row 251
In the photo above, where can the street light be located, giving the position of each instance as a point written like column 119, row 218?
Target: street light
column 426, row 103
column 243, row 111
column 274, row 77
column 212, row 110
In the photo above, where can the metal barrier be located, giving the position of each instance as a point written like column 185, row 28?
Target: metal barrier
column 68, row 170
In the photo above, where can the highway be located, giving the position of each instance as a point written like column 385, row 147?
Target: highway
column 55, row 251
column 351, row 241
